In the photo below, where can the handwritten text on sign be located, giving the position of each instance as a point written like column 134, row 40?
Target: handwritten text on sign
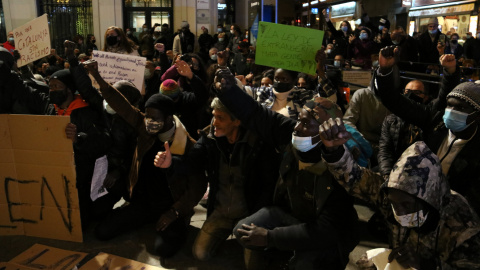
column 288, row 47
column 32, row 40
column 114, row 67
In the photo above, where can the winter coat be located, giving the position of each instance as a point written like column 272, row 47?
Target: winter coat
column 330, row 216
column 427, row 49
column 258, row 162
column 453, row 243
column 341, row 40
column 397, row 135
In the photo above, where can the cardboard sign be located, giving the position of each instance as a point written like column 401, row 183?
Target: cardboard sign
column 114, row 67
column 360, row 77
column 32, row 40
column 288, row 47
column 108, row 261
column 38, row 196
column 45, row 257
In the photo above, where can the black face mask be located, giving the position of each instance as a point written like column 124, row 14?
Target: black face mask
column 112, row 40
column 414, row 97
column 282, row 87
column 467, row 71
column 454, row 41
column 93, row 41
column 58, row 97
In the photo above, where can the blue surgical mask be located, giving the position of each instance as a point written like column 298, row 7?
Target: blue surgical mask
column 395, row 42
column 363, row 36
column 219, row 30
column 303, row 144
column 10, row 39
column 433, row 32
column 469, row 36
column 220, row 39
column 213, row 57
column 375, row 63
column 455, row 120
column 336, row 64
column 344, row 28
column 380, row 27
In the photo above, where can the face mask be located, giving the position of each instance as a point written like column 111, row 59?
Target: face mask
column 454, row 41
column 395, row 42
column 375, row 63
column 456, row 121
column 336, row 64
column 344, row 28
column 303, row 144
column 231, row 32
column 467, row 71
column 147, row 73
column 153, row 127
column 221, row 39
column 167, row 135
column 112, row 40
column 329, row 51
column 213, row 57
column 380, row 27
column 129, row 32
column 414, row 97
column 108, row 108
column 412, row 220
column 478, row 36
column 93, row 41
column 145, row 29
column 432, row 32
column 282, row 87
column 363, row 36
column 58, row 97
column 11, row 39
column 449, row 36
column 219, row 30
column 469, row 36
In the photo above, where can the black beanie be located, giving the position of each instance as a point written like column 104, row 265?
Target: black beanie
column 65, row 77
column 128, row 90
column 161, row 102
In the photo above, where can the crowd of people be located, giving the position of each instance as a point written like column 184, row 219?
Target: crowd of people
column 277, row 156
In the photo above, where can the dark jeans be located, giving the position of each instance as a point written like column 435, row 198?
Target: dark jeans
column 272, row 217
column 135, row 215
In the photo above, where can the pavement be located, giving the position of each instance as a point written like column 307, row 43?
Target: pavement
column 138, row 245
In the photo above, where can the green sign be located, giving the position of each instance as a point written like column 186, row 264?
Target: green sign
column 288, row 47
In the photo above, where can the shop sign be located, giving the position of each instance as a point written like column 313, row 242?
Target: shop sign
column 442, row 10
column 421, row 3
column 342, row 10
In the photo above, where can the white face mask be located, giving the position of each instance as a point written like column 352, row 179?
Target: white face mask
column 231, row 32
column 147, row 73
column 107, row 108
column 412, row 220
column 213, row 57
column 303, row 144
column 167, row 135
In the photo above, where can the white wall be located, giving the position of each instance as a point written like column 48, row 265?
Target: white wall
column 18, row 12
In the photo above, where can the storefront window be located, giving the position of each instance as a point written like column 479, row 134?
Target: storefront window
column 67, row 19
column 149, row 12
column 148, row 3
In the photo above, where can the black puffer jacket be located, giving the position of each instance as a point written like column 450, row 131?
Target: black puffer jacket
column 396, row 136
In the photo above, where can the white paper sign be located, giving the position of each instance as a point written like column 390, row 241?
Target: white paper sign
column 114, row 67
column 32, row 40
column 97, row 189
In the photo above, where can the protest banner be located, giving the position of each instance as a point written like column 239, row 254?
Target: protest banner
column 32, row 40
column 288, row 47
column 114, row 67
column 108, row 261
column 38, row 196
column 44, row 257
column 359, row 77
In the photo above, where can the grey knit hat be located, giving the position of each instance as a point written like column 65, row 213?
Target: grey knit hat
column 468, row 91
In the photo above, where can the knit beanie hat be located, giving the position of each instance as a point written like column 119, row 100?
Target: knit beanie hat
column 161, row 102
column 65, row 77
column 469, row 92
column 128, row 90
column 170, row 88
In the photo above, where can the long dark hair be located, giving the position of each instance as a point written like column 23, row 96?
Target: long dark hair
column 124, row 43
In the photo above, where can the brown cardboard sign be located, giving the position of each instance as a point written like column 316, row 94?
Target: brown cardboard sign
column 45, row 257
column 107, row 261
column 38, row 196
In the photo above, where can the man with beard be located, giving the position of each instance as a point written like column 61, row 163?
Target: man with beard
column 166, row 197
column 313, row 215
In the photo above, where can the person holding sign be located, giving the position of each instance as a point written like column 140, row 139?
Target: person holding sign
column 164, row 196
column 117, row 42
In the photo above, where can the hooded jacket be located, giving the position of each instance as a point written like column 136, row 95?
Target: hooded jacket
column 454, row 242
